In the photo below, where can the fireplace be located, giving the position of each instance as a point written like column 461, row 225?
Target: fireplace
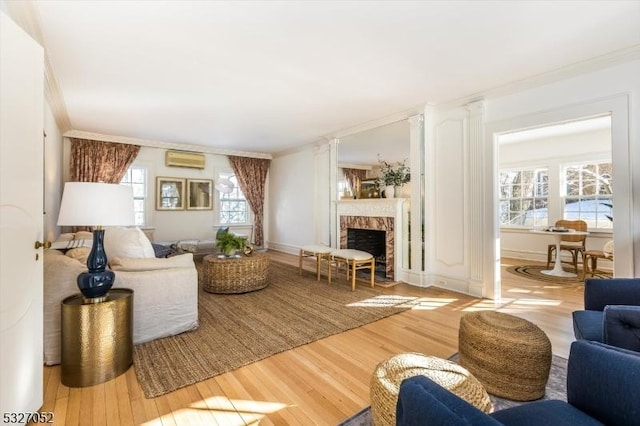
column 371, row 241
column 375, row 214
column 377, row 227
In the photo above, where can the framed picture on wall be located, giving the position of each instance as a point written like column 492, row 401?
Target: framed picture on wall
column 170, row 193
column 199, row 194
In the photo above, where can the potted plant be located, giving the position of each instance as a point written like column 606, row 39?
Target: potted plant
column 394, row 175
column 229, row 243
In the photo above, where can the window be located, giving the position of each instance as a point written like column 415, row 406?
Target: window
column 136, row 177
column 523, row 197
column 233, row 205
column 589, row 194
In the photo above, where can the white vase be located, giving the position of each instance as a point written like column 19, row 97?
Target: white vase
column 389, row 191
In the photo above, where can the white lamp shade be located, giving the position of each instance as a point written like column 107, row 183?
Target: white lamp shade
column 96, row 204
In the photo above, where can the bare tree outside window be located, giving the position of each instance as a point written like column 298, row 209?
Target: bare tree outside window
column 523, row 197
column 589, row 194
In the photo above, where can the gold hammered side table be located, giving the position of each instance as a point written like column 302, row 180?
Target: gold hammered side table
column 97, row 338
column 228, row 275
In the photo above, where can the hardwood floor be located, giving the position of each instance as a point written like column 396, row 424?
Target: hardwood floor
column 321, row 383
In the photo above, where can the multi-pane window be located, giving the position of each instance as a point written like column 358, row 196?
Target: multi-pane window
column 136, row 177
column 523, row 197
column 233, row 205
column 589, row 194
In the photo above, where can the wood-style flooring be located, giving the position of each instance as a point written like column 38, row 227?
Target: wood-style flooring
column 323, row 382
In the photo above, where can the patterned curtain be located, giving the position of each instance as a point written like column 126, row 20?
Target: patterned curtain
column 95, row 161
column 251, row 174
column 354, row 178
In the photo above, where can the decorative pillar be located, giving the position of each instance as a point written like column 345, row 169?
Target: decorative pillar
column 333, row 191
column 475, row 200
column 416, row 140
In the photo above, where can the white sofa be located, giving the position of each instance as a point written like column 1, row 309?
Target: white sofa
column 165, row 300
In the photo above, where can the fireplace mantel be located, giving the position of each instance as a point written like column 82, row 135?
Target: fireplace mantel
column 363, row 211
column 377, row 207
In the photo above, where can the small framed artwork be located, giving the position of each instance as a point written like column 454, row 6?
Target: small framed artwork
column 199, row 194
column 170, row 193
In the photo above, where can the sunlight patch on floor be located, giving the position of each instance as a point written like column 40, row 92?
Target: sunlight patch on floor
column 484, row 305
column 430, row 303
column 383, row 301
column 224, row 411
column 404, row 302
column 537, row 302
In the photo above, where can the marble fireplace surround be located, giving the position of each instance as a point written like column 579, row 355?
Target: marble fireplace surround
column 378, row 214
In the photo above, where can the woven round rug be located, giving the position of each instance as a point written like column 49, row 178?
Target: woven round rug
column 534, row 272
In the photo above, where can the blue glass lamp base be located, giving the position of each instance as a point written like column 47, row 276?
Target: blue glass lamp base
column 96, row 282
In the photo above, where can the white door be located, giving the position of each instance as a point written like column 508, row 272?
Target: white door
column 21, row 220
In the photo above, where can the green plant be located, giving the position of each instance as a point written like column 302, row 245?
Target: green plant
column 395, row 175
column 229, row 243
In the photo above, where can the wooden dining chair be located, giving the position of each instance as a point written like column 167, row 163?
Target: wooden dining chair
column 575, row 244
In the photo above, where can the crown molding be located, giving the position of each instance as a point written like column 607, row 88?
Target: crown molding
column 81, row 134
column 610, row 59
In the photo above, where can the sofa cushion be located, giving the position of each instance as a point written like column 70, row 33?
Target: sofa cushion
column 552, row 411
column 127, row 242
column 588, row 325
column 151, row 264
column 80, row 254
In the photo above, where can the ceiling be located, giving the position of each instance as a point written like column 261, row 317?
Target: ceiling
column 270, row 76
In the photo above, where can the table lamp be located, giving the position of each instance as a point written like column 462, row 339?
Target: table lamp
column 97, row 205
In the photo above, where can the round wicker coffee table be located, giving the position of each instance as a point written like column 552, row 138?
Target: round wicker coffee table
column 389, row 374
column 235, row 275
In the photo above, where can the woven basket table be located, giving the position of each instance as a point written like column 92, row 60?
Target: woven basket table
column 235, row 275
column 390, row 373
column 509, row 355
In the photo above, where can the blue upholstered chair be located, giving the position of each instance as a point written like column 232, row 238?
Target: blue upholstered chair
column 602, row 387
column 611, row 312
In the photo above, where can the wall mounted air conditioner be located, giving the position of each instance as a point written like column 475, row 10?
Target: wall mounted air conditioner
column 193, row 160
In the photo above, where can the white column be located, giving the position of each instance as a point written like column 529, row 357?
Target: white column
column 333, row 191
column 416, row 140
column 475, row 200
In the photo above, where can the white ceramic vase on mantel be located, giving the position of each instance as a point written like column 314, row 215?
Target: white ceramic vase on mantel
column 389, row 191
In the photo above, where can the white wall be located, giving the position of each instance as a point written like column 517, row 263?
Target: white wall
column 295, row 201
column 53, row 172
column 170, row 226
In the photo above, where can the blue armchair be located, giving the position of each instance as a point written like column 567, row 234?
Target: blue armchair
column 602, row 384
column 611, row 312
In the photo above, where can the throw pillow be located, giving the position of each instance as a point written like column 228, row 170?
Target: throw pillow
column 80, row 254
column 127, row 242
column 151, row 264
column 83, row 235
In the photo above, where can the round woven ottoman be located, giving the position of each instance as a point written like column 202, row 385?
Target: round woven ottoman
column 388, row 375
column 235, row 275
column 509, row 355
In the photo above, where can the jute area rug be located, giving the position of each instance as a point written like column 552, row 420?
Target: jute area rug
column 533, row 272
column 556, row 389
column 239, row 329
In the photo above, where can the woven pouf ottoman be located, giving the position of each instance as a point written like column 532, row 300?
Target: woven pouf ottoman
column 509, row 355
column 388, row 375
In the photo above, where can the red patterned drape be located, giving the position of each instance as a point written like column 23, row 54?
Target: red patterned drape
column 251, row 174
column 355, row 177
column 95, row 161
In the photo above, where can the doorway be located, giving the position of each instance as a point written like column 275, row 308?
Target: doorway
column 615, row 107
